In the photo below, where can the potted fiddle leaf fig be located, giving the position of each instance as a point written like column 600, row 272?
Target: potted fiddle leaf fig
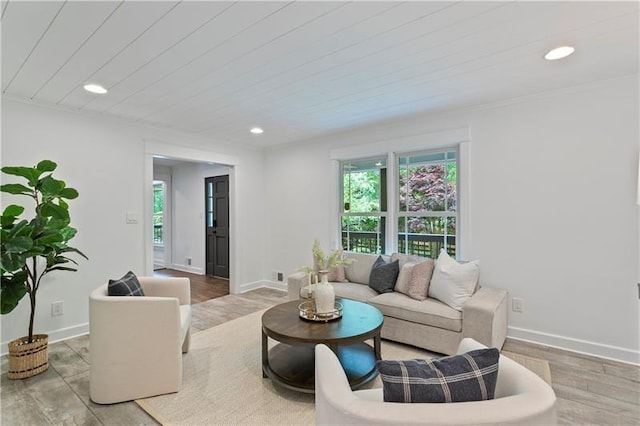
column 31, row 248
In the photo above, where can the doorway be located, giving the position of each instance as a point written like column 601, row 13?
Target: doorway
column 217, row 226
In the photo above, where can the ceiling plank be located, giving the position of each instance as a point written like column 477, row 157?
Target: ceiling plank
column 23, row 26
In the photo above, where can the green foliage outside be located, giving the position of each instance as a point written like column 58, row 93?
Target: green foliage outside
column 423, row 188
column 158, row 207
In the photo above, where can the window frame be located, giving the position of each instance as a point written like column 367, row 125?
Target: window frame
column 163, row 187
column 383, row 212
column 444, row 213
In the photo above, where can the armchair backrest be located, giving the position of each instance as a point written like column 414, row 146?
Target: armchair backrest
column 522, row 398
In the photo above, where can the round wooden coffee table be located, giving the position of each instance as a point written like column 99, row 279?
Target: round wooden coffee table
column 291, row 362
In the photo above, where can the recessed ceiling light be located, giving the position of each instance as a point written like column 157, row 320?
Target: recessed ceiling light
column 256, row 130
column 559, row 53
column 95, row 88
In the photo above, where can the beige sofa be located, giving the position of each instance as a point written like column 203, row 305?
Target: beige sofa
column 136, row 342
column 521, row 398
column 429, row 324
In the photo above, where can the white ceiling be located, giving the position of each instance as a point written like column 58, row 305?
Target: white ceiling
column 303, row 69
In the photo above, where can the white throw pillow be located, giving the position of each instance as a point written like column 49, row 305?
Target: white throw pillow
column 453, row 283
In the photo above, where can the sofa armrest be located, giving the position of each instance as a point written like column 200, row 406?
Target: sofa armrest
column 484, row 317
column 295, row 282
column 179, row 288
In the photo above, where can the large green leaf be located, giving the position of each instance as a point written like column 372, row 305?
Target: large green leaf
column 16, row 188
column 54, row 211
column 49, row 237
column 12, row 291
column 7, row 221
column 46, row 166
column 20, row 229
column 13, row 210
column 51, row 187
column 17, row 245
column 69, row 193
column 68, row 233
column 29, row 173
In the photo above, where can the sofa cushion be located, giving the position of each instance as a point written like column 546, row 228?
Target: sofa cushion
column 428, row 312
column 402, row 283
column 128, row 285
column 453, row 283
column 418, row 285
column 359, row 271
column 405, row 258
column 354, row 291
column 337, row 274
column 384, row 275
column 471, row 376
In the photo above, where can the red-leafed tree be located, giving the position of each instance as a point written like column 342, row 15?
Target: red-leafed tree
column 428, row 188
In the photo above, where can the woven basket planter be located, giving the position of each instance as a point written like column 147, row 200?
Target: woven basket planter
column 28, row 359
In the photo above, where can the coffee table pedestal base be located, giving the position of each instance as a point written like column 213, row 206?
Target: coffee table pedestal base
column 294, row 366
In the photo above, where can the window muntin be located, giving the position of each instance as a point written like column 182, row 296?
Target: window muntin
column 158, row 212
column 364, row 205
column 427, row 203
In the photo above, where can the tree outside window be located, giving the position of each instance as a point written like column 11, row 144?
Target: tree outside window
column 158, row 212
column 427, row 203
column 364, row 205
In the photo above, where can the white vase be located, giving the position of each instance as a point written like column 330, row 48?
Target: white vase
column 324, row 295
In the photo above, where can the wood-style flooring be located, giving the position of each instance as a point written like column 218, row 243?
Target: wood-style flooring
column 202, row 287
column 590, row 391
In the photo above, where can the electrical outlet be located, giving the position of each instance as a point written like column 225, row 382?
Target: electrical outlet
column 517, row 304
column 277, row 276
column 280, row 276
column 189, row 261
column 57, row 309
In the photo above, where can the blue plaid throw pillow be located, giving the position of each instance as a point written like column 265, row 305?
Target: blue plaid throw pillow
column 125, row 286
column 467, row 377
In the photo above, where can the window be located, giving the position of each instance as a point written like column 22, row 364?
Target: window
column 427, row 207
column 425, row 213
column 364, row 205
column 158, row 212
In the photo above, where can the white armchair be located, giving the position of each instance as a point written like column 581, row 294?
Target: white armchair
column 521, row 398
column 136, row 342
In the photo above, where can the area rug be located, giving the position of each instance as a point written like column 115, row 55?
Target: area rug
column 223, row 383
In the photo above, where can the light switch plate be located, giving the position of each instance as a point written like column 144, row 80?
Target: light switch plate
column 132, row 218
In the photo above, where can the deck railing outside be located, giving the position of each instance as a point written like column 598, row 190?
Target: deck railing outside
column 425, row 245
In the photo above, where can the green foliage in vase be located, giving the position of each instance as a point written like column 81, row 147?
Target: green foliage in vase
column 44, row 236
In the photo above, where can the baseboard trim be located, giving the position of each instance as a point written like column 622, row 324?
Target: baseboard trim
column 186, row 268
column 276, row 285
column 614, row 353
column 56, row 335
column 262, row 284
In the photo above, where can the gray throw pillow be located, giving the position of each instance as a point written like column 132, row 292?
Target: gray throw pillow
column 467, row 377
column 383, row 275
column 128, row 285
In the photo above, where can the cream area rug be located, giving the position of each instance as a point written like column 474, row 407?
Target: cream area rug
column 223, row 383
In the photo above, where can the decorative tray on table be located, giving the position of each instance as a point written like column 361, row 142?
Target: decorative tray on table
column 307, row 311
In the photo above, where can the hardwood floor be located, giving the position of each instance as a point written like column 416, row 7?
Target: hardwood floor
column 202, row 287
column 590, row 391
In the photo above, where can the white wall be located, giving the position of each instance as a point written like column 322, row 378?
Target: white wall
column 552, row 206
column 188, row 214
column 104, row 159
